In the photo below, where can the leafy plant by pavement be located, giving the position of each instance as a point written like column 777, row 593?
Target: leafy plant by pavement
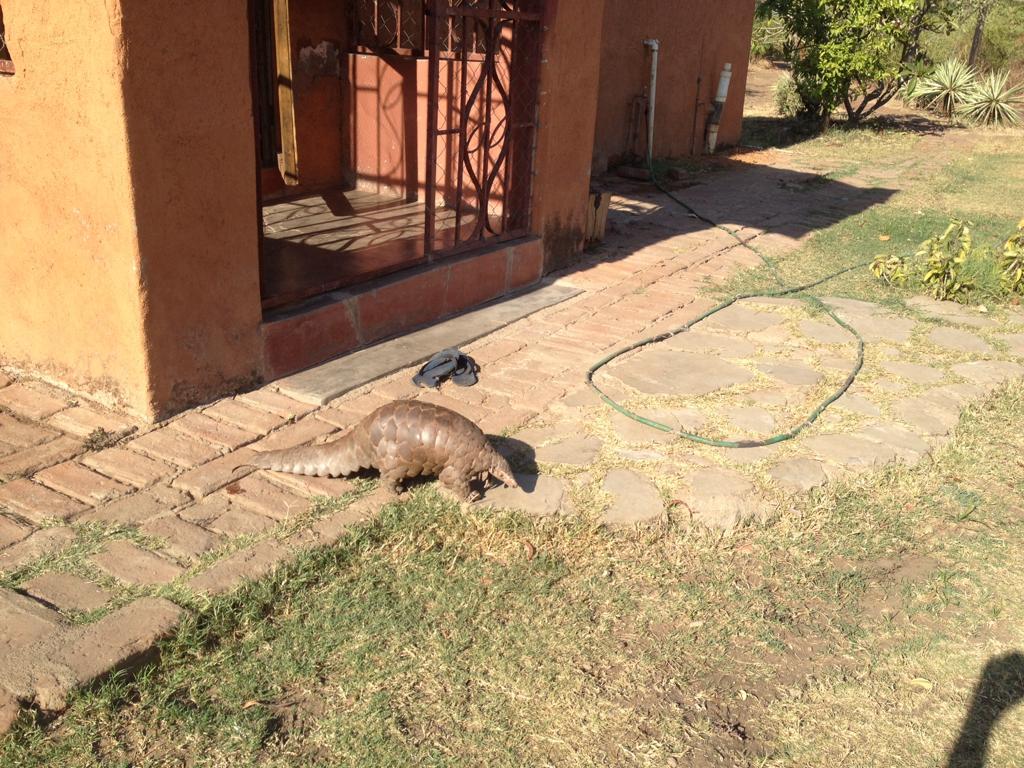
column 944, row 256
column 99, row 439
column 951, row 267
column 891, row 268
column 1012, row 262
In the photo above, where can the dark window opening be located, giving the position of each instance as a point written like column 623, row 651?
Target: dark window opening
column 266, row 83
column 6, row 64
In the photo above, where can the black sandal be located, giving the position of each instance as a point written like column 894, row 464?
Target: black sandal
column 448, row 363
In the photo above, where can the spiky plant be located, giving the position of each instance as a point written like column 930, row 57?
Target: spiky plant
column 912, row 75
column 994, row 101
column 951, row 85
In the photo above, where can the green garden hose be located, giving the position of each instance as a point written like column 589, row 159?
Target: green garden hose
column 815, row 301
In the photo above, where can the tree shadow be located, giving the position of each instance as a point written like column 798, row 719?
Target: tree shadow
column 999, row 689
column 767, row 131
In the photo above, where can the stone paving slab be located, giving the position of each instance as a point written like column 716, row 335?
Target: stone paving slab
column 181, row 539
column 579, row 450
column 127, row 466
column 82, row 421
column 138, row 508
column 799, row 474
column 723, row 498
column 635, row 499
column 540, row 496
column 11, row 532
column 958, row 340
column 665, row 372
column 30, row 401
column 130, row 563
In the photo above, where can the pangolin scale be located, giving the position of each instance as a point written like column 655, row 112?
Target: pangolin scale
column 402, row 439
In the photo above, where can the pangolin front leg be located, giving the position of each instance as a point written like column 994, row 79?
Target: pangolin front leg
column 392, row 480
column 456, row 482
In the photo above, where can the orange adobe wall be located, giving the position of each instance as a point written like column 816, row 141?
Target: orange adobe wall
column 128, row 258
column 191, row 141
column 568, row 109
column 697, row 38
column 69, row 271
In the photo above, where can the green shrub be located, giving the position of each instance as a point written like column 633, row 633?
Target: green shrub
column 994, row 101
column 944, row 258
column 913, row 73
column 894, row 270
column 851, row 53
column 1011, row 264
column 787, row 98
column 951, row 267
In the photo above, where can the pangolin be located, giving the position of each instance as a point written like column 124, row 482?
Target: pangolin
column 402, row 439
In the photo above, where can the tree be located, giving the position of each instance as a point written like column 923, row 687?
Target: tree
column 979, row 32
column 854, row 52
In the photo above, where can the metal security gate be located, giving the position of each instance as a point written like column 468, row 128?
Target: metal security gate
column 483, row 71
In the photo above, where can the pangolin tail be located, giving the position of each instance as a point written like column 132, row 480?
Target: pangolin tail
column 343, row 456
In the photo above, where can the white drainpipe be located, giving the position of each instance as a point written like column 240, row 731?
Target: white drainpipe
column 716, row 115
column 654, row 45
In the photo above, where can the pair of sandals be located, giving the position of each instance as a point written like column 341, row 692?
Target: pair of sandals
column 451, row 364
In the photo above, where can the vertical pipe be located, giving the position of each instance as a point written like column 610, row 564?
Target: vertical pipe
column 433, row 76
column 716, row 115
column 460, row 137
column 510, row 129
column 654, row 45
column 485, row 136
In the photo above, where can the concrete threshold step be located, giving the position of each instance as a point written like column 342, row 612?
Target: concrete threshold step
column 327, row 381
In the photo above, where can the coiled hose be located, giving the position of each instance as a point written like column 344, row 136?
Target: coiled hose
column 797, row 291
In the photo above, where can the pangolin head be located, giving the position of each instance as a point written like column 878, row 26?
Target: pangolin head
column 500, row 469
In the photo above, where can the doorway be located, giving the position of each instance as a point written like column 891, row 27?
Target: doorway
column 391, row 133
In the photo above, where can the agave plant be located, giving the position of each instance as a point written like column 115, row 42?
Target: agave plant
column 994, row 101
column 912, row 75
column 951, row 85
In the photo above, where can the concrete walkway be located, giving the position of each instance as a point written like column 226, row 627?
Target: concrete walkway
column 109, row 529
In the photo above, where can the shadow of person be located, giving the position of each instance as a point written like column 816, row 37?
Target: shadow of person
column 999, row 689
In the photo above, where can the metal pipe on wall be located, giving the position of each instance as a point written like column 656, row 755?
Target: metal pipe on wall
column 655, row 46
column 716, row 116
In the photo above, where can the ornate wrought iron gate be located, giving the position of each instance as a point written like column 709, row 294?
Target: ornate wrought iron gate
column 484, row 58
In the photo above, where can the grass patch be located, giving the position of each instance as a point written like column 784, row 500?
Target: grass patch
column 985, row 186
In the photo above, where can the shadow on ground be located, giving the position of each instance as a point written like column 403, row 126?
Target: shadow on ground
column 767, row 131
column 999, row 689
column 748, row 198
column 520, row 455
